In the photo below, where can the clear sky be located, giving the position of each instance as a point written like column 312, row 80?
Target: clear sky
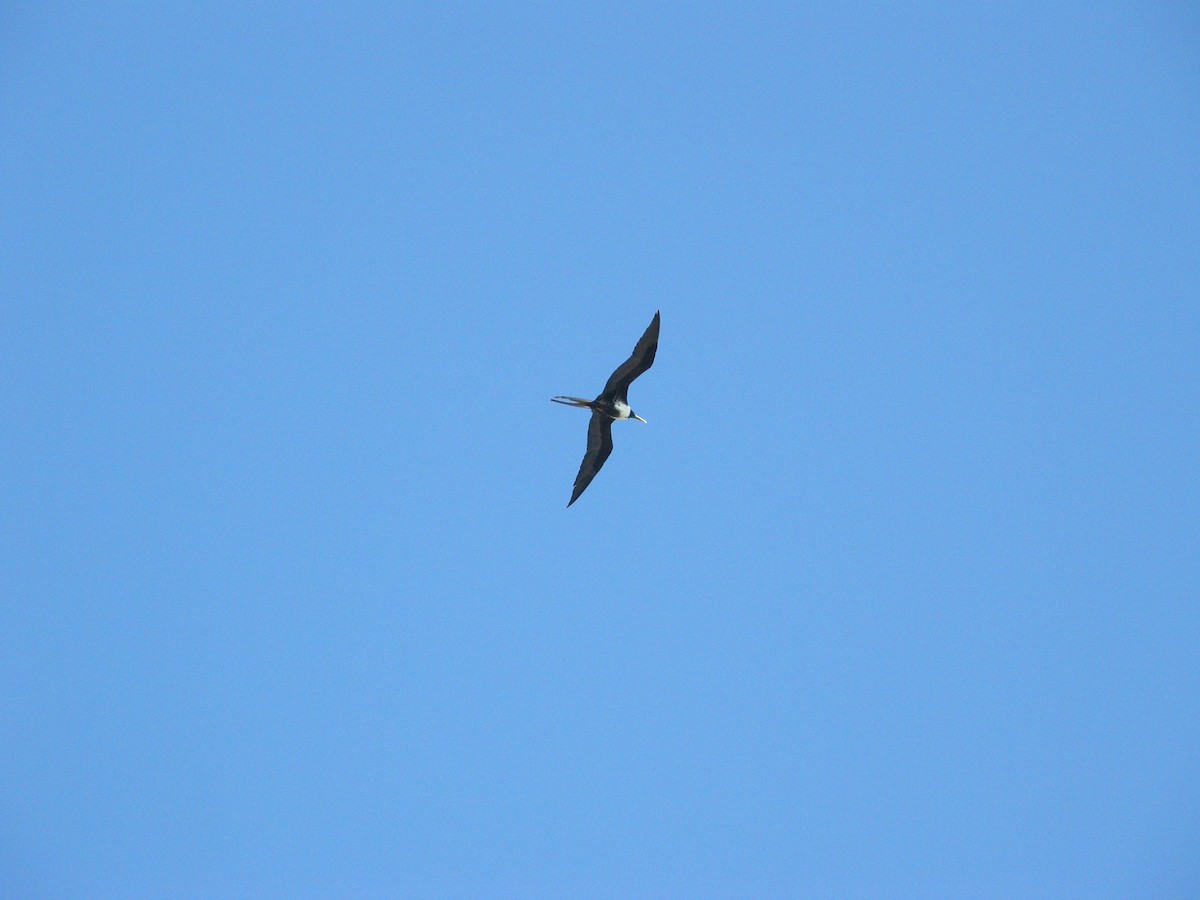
column 896, row 595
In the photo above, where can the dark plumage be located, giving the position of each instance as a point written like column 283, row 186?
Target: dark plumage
column 612, row 404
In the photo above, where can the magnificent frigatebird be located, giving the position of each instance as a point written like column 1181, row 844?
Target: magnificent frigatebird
column 612, row 404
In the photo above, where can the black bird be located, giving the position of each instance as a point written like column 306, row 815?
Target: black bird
column 612, row 404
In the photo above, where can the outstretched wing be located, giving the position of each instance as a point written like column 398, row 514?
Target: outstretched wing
column 639, row 362
column 598, row 448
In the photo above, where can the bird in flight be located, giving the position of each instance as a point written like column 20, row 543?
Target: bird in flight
column 612, row 404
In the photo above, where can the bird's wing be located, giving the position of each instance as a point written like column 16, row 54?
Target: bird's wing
column 639, row 362
column 598, row 448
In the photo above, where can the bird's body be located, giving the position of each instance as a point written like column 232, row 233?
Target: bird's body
column 613, row 408
column 612, row 405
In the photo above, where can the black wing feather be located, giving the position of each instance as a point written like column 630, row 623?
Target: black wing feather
column 598, row 448
column 639, row 362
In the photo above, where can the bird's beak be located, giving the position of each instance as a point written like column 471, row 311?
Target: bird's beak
column 640, row 419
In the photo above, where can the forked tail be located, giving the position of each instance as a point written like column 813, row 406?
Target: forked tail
column 572, row 401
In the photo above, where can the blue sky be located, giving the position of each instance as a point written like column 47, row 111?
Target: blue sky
column 896, row 595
